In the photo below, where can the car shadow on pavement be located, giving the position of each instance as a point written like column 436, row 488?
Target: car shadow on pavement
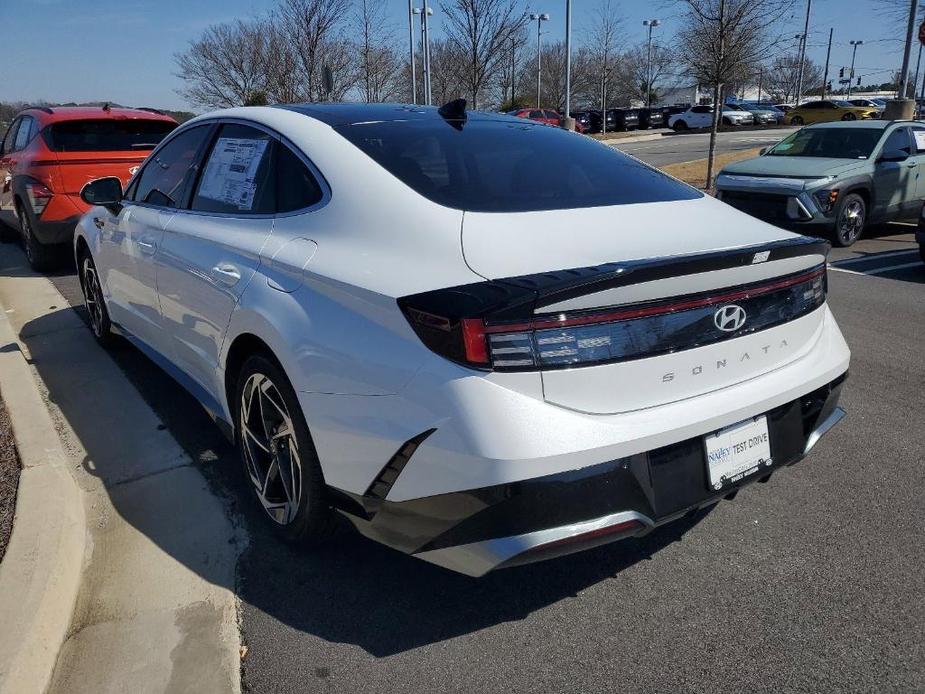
column 352, row 590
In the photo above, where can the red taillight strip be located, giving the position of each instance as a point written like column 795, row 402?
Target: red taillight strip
column 645, row 311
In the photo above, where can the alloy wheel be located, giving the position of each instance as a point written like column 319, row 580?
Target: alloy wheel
column 851, row 221
column 270, row 447
column 93, row 296
column 27, row 240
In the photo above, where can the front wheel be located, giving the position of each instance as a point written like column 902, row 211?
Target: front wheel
column 796, row 120
column 97, row 314
column 850, row 220
column 679, row 126
column 849, row 116
column 278, row 454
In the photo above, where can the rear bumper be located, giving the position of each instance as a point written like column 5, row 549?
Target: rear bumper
column 476, row 531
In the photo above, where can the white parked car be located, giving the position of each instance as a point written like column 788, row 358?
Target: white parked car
column 702, row 117
column 483, row 340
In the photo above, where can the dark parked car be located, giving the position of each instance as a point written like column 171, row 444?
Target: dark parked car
column 622, row 119
column 587, row 121
column 651, row 118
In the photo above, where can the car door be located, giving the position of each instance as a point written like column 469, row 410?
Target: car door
column 701, row 117
column 894, row 181
column 918, row 151
column 211, row 251
column 7, row 162
column 130, row 240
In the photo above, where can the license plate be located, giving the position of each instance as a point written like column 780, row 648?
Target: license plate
column 738, row 451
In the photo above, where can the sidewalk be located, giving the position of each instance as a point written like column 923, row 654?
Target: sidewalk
column 156, row 608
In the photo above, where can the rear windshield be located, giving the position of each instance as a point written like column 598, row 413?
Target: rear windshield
column 506, row 166
column 834, row 143
column 106, row 135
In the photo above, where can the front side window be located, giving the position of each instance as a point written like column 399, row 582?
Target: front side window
column 107, row 135
column 504, row 166
column 164, row 177
column 918, row 136
column 10, row 138
column 898, row 140
column 237, row 177
column 836, row 143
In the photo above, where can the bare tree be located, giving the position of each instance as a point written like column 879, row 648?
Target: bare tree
column 604, row 38
column 313, row 30
column 631, row 71
column 781, row 80
column 552, row 77
column 481, row 30
column 379, row 68
column 225, row 66
column 719, row 43
column 444, row 81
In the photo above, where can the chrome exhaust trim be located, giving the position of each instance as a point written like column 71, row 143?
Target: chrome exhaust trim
column 823, row 427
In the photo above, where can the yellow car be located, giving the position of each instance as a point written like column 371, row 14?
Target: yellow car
column 827, row 111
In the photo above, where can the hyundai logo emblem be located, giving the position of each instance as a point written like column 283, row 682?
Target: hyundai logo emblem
column 729, row 318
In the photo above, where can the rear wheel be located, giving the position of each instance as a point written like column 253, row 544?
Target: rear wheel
column 40, row 256
column 850, row 219
column 726, row 121
column 679, row 126
column 849, row 116
column 796, row 120
column 922, row 253
column 279, row 457
column 93, row 300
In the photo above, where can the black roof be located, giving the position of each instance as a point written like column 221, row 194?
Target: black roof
column 350, row 113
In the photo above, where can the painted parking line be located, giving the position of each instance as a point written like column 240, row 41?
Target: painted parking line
column 897, row 261
column 871, row 257
column 882, row 270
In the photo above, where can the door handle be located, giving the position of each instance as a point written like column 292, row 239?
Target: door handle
column 98, row 223
column 226, row 273
column 146, row 246
column 912, row 164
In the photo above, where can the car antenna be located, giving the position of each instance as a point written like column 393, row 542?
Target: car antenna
column 454, row 113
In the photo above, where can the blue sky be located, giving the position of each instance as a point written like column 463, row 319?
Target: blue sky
column 122, row 50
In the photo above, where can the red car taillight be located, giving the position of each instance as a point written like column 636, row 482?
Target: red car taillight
column 564, row 340
column 39, row 196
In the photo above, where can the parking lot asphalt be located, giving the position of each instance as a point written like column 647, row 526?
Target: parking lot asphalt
column 812, row 582
column 671, row 149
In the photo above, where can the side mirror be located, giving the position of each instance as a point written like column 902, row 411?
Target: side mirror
column 763, row 151
column 894, row 155
column 105, row 192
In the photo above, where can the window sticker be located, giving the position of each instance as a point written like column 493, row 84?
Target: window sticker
column 230, row 175
column 919, row 140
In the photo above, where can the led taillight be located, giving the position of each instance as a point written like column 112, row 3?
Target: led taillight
column 39, row 196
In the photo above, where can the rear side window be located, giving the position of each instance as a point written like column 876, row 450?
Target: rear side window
column 237, row 176
column 507, row 166
column 164, row 177
column 107, row 135
column 296, row 186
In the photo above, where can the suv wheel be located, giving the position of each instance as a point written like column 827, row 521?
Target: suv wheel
column 849, row 116
column 679, row 126
column 850, row 220
column 279, row 457
column 796, row 120
column 40, row 256
column 93, row 300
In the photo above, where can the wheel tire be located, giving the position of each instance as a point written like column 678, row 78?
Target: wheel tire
column 97, row 313
column 850, row 220
column 849, row 116
column 922, row 253
column 726, row 121
column 41, row 257
column 796, row 120
column 308, row 518
column 679, row 126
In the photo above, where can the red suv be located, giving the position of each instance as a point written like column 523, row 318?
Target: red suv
column 544, row 115
column 49, row 154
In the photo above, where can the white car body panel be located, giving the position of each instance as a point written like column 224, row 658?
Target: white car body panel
column 320, row 289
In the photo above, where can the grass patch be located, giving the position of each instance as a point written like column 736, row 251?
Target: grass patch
column 695, row 172
column 9, row 479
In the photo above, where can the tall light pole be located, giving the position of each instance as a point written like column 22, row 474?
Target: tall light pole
column 650, row 24
column 907, row 51
column 809, row 6
column 828, row 55
column 854, row 52
column 414, row 86
column 568, row 61
column 539, row 19
column 425, row 12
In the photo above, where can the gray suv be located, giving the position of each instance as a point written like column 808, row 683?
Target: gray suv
column 835, row 177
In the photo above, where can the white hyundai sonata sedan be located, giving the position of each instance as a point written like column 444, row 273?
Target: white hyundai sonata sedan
column 485, row 341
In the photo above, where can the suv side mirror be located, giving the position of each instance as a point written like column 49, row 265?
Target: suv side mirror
column 763, row 151
column 894, row 155
column 105, row 192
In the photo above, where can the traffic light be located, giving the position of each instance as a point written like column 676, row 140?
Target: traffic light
column 859, row 81
column 841, row 73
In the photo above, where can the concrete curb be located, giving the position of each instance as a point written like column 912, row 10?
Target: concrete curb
column 41, row 572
